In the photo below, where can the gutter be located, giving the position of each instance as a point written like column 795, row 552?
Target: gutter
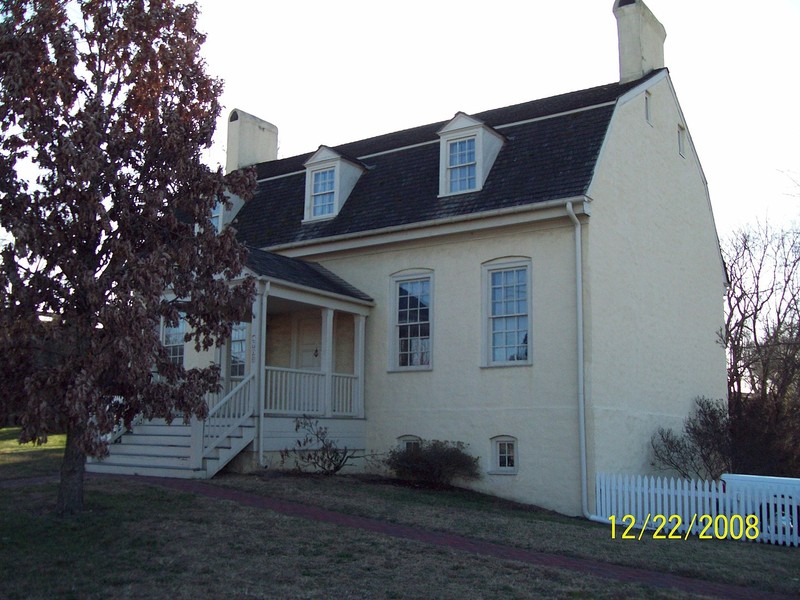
column 394, row 233
column 580, row 370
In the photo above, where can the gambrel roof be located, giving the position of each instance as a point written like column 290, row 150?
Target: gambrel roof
column 550, row 152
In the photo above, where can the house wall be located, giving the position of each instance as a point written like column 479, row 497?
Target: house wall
column 282, row 328
column 654, row 286
column 458, row 399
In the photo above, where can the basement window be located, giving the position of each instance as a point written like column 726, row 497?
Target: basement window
column 505, row 460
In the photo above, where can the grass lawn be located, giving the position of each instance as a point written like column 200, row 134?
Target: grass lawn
column 140, row 541
column 28, row 460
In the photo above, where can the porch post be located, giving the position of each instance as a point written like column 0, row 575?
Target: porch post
column 326, row 360
column 259, row 364
column 358, row 363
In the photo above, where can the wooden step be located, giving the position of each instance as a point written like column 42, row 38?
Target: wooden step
column 142, row 450
column 147, row 459
column 155, row 440
column 151, row 429
column 148, row 470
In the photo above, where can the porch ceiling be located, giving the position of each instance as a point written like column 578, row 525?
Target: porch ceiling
column 277, row 305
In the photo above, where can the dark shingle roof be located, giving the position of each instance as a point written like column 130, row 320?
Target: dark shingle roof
column 308, row 274
column 541, row 160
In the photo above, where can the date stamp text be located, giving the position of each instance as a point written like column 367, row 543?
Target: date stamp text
column 663, row 527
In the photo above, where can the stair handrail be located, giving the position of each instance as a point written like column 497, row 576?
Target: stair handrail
column 242, row 393
column 120, row 429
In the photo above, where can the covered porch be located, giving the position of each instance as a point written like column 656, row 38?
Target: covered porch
column 302, row 353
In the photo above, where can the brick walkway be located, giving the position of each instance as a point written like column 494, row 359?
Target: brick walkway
column 457, row 542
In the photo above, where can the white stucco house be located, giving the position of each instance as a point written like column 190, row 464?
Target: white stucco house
column 541, row 281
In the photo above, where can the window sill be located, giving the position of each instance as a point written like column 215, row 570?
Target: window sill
column 503, row 472
column 315, row 219
column 516, row 363
column 448, row 194
column 409, row 369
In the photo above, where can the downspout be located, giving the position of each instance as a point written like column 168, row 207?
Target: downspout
column 261, row 366
column 580, row 369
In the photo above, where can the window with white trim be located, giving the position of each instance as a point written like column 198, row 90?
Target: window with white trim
column 504, row 455
column 409, row 442
column 648, row 107
column 330, row 178
column 172, row 338
column 507, row 309
column 323, row 193
column 238, row 351
column 216, row 216
column 461, row 166
column 467, row 150
column 413, row 319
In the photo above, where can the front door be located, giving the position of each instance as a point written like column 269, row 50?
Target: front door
column 308, row 343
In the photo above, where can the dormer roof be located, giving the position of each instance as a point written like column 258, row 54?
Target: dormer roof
column 325, row 153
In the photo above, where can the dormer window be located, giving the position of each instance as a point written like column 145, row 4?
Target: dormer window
column 461, row 166
column 216, row 216
column 468, row 149
column 322, row 196
column 329, row 180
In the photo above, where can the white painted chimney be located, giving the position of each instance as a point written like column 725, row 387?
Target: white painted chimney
column 641, row 40
column 250, row 140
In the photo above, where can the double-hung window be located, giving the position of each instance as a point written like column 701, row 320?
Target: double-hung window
column 323, row 193
column 461, row 165
column 413, row 320
column 173, row 340
column 507, row 308
column 238, row 350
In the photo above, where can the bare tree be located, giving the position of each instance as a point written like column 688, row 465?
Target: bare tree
column 762, row 339
column 761, row 335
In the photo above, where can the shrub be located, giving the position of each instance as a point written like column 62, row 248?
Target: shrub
column 433, row 462
column 315, row 451
column 704, row 449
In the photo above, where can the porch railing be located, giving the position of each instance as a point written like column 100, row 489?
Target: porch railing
column 229, row 413
column 304, row 392
column 343, row 401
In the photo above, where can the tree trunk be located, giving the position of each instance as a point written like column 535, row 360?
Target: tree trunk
column 70, row 491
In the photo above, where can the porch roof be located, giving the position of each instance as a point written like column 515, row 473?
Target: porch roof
column 301, row 272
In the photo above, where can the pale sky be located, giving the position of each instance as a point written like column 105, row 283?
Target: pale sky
column 334, row 72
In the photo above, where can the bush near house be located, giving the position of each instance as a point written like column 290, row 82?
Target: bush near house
column 433, row 462
column 315, row 451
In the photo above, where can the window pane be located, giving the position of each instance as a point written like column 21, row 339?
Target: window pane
column 509, row 314
column 238, row 349
column 322, row 197
column 413, row 322
column 174, row 340
column 461, row 165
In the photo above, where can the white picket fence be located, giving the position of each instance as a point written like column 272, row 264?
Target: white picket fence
column 727, row 509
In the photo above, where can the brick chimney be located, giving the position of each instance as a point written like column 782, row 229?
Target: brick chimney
column 250, row 140
column 641, row 40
